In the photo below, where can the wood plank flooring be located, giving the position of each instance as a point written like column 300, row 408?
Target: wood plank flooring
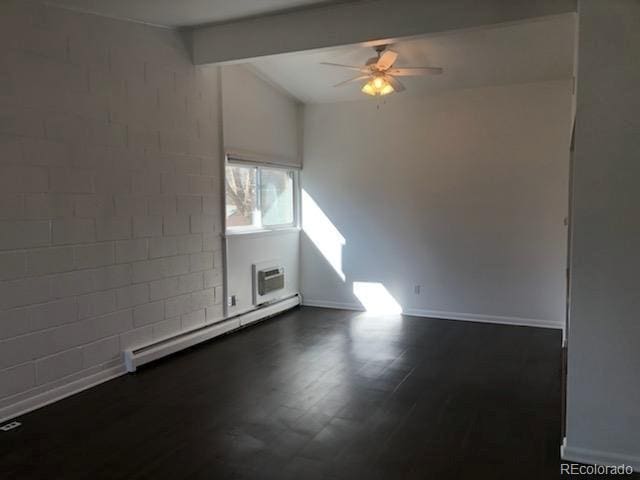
column 315, row 394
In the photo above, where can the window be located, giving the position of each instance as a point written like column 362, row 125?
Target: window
column 276, row 197
column 259, row 198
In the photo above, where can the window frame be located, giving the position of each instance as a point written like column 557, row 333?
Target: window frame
column 261, row 228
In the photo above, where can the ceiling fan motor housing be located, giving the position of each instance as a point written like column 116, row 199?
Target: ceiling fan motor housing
column 379, row 50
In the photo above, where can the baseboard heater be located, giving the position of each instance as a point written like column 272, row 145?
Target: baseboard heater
column 141, row 355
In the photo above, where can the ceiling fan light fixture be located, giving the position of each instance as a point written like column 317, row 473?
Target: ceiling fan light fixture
column 387, row 89
column 377, row 86
column 369, row 89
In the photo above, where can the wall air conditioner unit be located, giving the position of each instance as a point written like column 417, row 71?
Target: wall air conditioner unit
column 268, row 282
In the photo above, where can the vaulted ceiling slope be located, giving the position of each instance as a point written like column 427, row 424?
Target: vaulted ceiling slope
column 184, row 13
column 537, row 50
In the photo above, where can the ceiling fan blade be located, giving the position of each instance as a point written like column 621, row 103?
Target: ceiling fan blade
column 386, row 60
column 351, row 67
column 395, row 83
column 415, row 71
column 351, row 80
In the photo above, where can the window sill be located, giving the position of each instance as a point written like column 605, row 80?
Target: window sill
column 260, row 232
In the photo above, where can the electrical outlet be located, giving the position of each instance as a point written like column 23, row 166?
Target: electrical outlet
column 10, row 426
column 416, row 289
column 232, row 301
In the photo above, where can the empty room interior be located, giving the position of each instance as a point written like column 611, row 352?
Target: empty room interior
column 304, row 239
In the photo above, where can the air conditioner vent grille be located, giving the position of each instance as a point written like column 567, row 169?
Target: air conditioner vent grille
column 270, row 280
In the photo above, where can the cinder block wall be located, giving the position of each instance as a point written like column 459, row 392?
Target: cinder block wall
column 109, row 196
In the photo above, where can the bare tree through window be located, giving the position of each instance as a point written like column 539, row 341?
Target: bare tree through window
column 259, row 196
column 241, row 195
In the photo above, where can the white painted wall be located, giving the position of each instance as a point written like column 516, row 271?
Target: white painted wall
column 603, row 395
column 463, row 193
column 259, row 119
column 109, row 197
column 244, row 250
column 260, row 122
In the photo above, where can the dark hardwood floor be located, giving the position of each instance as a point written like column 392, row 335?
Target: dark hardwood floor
column 313, row 394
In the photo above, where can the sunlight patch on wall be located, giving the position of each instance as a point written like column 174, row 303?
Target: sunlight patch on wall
column 375, row 298
column 323, row 233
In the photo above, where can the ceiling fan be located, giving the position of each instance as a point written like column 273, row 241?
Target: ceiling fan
column 380, row 75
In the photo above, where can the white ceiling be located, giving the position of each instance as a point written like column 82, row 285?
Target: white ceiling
column 182, row 13
column 532, row 51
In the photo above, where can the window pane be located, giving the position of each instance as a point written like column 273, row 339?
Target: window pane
column 241, row 200
column 276, row 196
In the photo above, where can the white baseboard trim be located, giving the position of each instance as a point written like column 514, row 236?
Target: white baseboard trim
column 50, row 396
column 595, row 457
column 144, row 354
column 472, row 317
column 467, row 317
column 335, row 305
